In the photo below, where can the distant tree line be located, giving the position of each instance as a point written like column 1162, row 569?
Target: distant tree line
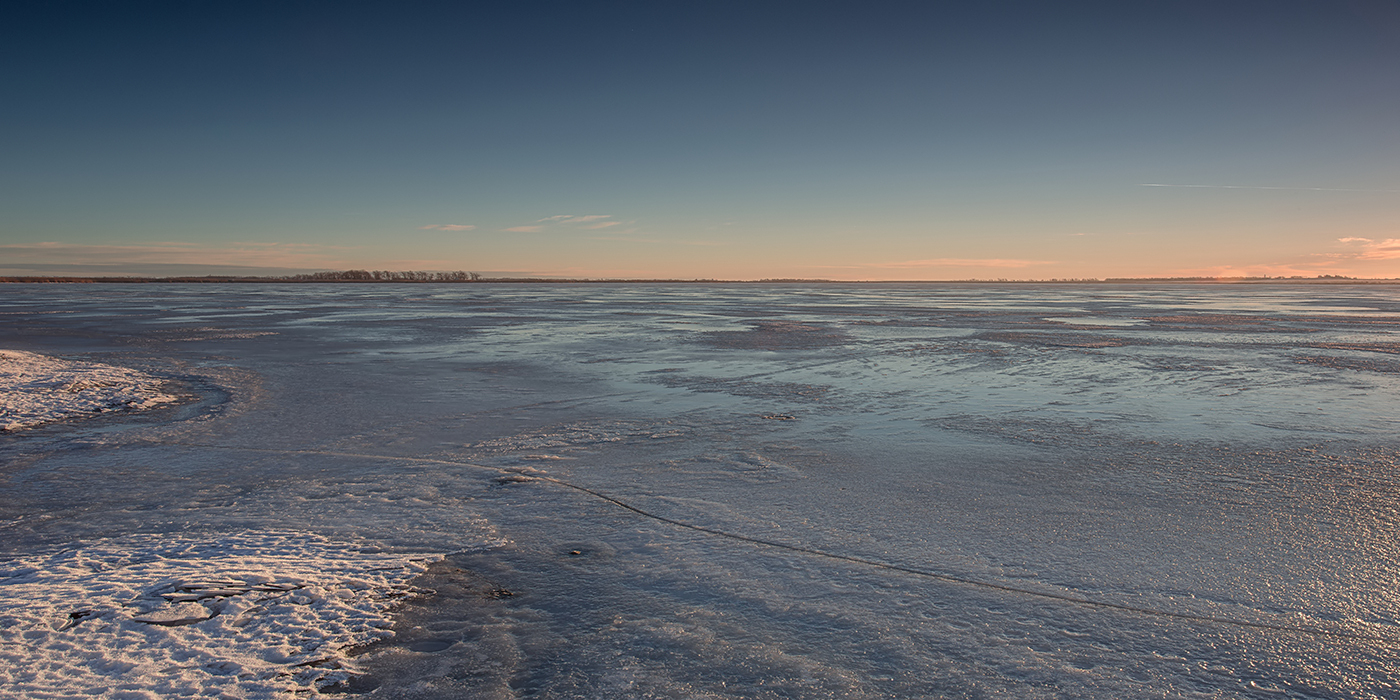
column 386, row 276
column 1294, row 278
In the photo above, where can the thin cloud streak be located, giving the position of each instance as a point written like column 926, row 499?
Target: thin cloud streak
column 571, row 219
column 590, row 222
column 447, row 227
column 1266, row 187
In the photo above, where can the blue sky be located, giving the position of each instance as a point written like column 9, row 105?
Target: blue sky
column 731, row 140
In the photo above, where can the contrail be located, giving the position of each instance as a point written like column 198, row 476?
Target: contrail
column 1258, row 187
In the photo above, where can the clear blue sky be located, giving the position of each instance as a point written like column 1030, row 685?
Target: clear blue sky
column 733, row 140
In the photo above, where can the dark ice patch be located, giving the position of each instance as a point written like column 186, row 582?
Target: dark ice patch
column 777, row 335
column 1387, row 348
column 1061, row 340
column 1061, row 433
column 790, row 391
column 1360, row 365
column 429, row 646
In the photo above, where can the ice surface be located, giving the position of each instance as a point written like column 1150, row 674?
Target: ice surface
column 858, row 491
column 35, row 389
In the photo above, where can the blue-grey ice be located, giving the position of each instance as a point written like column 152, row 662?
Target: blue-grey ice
column 706, row 491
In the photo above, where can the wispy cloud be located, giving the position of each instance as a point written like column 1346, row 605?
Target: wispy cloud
column 448, row 227
column 1265, row 187
column 1369, row 249
column 585, row 221
column 1358, row 256
column 571, row 219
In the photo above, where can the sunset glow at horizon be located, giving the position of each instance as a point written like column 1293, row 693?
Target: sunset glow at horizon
column 893, row 141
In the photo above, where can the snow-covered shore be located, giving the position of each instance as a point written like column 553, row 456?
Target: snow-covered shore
column 37, row 389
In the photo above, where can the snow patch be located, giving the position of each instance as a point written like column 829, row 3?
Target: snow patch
column 37, row 389
column 247, row 615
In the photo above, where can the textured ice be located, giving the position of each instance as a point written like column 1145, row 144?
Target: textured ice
column 245, row 615
column 35, row 389
column 766, row 491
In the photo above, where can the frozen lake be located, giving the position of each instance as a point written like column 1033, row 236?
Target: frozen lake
column 764, row 491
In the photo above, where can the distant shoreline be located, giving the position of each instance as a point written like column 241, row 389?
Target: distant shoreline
column 355, row 277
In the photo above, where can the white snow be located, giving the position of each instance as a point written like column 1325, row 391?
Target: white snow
column 248, row 615
column 37, row 389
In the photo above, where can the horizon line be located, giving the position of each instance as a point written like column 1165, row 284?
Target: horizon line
column 460, row 277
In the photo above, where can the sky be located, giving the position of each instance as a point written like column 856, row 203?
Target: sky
column 747, row 140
